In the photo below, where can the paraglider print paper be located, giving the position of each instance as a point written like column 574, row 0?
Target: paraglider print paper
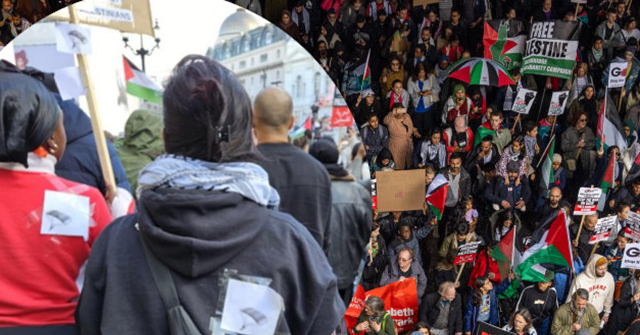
column 65, row 214
column 251, row 309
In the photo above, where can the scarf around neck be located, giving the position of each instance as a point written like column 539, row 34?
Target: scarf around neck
column 172, row 171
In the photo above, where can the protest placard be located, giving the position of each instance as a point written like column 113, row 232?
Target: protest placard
column 374, row 196
column 524, row 101
column 617, row 74
column 487, row 329
column 558, row 102
column 631, row 256
column 467, row 253
column 632, row 224
column 400, row 190
column 603, row 229
column 587, row 203
column 551, row 48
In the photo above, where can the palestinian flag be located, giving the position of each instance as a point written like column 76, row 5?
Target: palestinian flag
column 504, row 42
column 607, row 181
column 553, row 246
column 437, row 194
column 504, row 252
column 363, row 74
column 139, row 85
column 547, row 165
column 609, row 127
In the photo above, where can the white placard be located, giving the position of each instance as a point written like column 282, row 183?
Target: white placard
column 632, row 224
column 65, row 214
column 603, row 229
column 617, row 74
column 69, row 82
column 587, row 203
column 631, row 256
column 73, row 39
column 558, row 102
column 251, row 308
column 524, row 101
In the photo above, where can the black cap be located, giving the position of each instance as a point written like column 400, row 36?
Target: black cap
column 360, row 18
column 331, row 11
column 300, row 3
column 382, row 12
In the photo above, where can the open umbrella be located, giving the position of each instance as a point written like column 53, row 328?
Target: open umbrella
column 480, row 71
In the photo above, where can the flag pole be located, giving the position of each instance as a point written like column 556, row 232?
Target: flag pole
column 366, row 67
column 460, row 272
column 581, row 224
column 96, row 122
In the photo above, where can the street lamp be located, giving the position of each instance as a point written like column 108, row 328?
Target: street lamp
column 142, row 52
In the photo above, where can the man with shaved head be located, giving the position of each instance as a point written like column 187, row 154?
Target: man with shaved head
column 553, row 203
column 303, row 183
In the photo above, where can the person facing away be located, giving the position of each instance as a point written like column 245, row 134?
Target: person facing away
column 41, row 260
column 205, row 208
column 302, row 182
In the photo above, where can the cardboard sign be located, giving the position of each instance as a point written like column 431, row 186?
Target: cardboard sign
column 467, row 253
column 603, row 229
column 617, row 74
column 524, row 101
column 631, row 256
column 400, row 190
column 400, row 300
column 558, row 102
column 632, row 224
column 487, row 329
column 587, row 203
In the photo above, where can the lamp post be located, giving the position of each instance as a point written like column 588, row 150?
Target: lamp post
column 142, row 52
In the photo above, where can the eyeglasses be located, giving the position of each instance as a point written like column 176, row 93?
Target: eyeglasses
column 404, row 260
column 583, row 120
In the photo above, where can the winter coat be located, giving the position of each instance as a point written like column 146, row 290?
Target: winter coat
column 471, row 316
column 414, row 242
column 449, row 111
column 464, row 183
column 304, row 187
column 364, row 112
column 625, row 310
column 484, row 264
column 141, row 144
column 429, row 312
column 541, row 304
column 450, row 243
column 386, row 320
column 614, row 268
column 448, row 134
column 374, row 139
column 431, row 83
column 80, row 162
column 391, row 274
column 601, row 289
column 570, row 138
column 522, row 191
column 563, row 320
column 350, row 229
column 197, row 235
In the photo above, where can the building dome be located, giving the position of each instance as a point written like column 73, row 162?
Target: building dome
column 238, row 23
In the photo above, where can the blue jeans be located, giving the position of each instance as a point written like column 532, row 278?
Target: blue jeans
column 543, row 329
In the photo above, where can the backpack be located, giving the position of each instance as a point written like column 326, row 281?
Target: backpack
column 180, row 323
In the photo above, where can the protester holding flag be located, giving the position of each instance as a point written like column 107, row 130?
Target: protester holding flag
column 541, row 300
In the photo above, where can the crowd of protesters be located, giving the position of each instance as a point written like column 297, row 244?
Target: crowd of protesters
column 18, row 15
column 412, row 116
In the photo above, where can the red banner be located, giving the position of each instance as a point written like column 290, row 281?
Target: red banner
column 400, row 300
column 341, row 117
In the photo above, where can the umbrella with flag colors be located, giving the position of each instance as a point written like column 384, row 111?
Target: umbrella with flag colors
column 480, row 71
column 552, row 246
column 437, row 194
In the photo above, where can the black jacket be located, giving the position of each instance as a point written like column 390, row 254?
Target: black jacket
column 197, row 235
column 625, row 311
column 464, row 183
column 303, row 185
column 429, row 312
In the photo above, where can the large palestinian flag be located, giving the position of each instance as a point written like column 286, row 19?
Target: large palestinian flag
column 504, row 42
column 437, row 194
column 552, row 48
column 609, row 126
column 552, row 246
column 547, row 165
column 139, row 85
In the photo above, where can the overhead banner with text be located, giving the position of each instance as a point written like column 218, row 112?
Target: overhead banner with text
column 552, row 48
column 504, row 42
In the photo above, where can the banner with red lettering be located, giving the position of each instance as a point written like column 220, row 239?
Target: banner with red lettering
column 400, row 300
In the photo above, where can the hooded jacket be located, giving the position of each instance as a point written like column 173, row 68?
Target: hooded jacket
column 601, row 289
column 141, row 144
column 197, row 235
column 80, row 162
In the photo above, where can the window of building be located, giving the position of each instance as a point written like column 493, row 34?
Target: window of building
column 251, row 61
column 278, row 53
column 264, row 58
column 317, row 82
column 299, row 87
column 243, row 64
